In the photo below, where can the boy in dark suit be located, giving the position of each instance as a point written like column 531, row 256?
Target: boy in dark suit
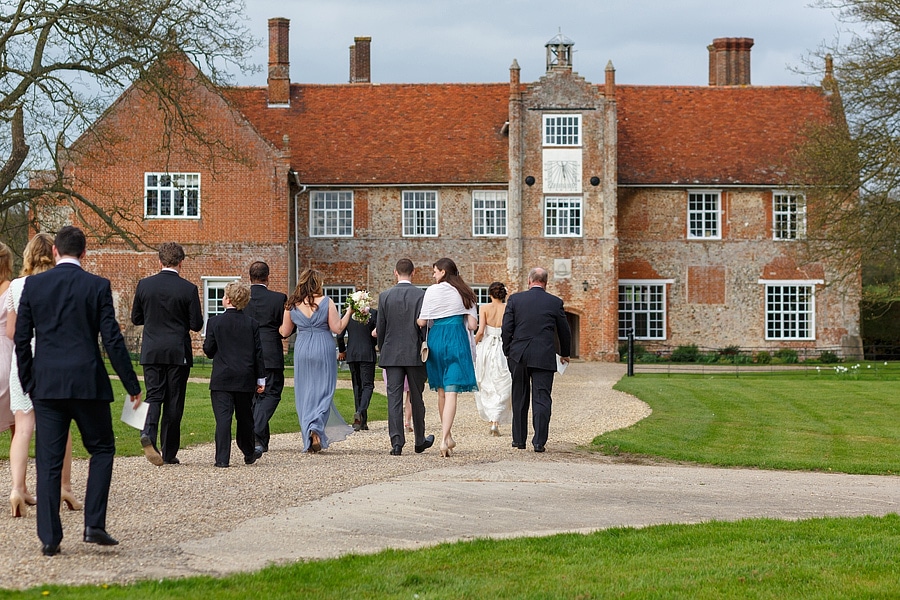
column 359, row 352
column 232, row 341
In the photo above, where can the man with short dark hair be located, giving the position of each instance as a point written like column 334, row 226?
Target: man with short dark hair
column 533, row 324
column 169, row 309
column 64, row 309
column 267, row 308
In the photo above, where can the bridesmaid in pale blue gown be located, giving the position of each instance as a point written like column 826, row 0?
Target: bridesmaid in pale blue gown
column 315, row 363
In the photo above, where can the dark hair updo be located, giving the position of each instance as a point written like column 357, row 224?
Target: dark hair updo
column 497, row 290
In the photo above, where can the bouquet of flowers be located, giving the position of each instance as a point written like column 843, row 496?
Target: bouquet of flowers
column 360, row 302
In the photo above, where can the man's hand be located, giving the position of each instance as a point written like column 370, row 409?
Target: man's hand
column 342, row 355
column 136, row 400
column 564, row 360
column 260, row 389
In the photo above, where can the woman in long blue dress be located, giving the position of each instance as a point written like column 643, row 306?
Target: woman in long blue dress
column 315, row 363
column 451, row 311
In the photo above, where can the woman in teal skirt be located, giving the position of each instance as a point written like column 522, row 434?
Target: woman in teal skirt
column 450, row 310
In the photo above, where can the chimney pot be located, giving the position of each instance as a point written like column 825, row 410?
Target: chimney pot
column 729, row 61
column 360, row 60
column 279, row 80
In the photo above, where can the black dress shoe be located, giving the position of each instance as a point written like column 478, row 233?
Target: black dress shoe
column 222, row 465
column 396, row 450
column 95, row 535
column 428, row 443
column 50, row 549
column 538, row 447
column 261, row 449
column 174, row 461
column 252, row 458
column 519, row 446
column 364, row 426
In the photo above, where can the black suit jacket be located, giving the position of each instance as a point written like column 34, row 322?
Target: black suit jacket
column 533, row 322
column 65, row 309
column 232, row 341
column 169, row 309
column 360, row 345
column 267, row 308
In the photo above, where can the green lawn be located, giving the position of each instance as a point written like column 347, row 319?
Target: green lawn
column 800, row 420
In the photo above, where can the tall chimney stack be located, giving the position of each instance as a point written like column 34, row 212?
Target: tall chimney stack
column 729, row 61
column 279, row 80
column 360, row 60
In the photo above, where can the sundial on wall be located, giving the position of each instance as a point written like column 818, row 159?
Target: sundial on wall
column 562, row 171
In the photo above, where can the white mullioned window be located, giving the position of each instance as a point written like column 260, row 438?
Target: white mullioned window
column 172, row 195
column 704, row 215
column 339, row 295
column 331, row 214
column 788, row 216
column 790, row 309
column 481, row 294
column 213, row 293
column 562, row 216
column 562, row 130
column 489, row 213
column 642, row 307
column 420, row 214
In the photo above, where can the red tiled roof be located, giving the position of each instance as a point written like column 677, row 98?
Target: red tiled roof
column 711, row 135
column 387, row 133
column 379, row 134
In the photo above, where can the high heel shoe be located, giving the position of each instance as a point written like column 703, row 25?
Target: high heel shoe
column 17, row 505
column 29, row 499
column 495, row 430
column 451, row 443
column 445, row 450
column 68, row 498
column 315, row 444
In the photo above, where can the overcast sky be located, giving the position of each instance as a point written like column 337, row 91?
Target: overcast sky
column 444, row 41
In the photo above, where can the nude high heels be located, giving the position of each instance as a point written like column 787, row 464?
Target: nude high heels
column 68, row 498
column 445, row 451
column 17, row 505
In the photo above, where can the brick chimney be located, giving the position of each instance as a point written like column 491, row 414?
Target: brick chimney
column 360, row 60
column 279, row 80
column 729, row 61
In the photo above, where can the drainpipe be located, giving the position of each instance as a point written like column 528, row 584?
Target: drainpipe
column 301, row 189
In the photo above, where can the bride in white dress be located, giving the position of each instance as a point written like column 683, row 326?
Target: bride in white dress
column 491, row 370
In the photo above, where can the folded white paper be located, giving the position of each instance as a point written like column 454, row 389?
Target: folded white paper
column 560, row 365
column 134, row 416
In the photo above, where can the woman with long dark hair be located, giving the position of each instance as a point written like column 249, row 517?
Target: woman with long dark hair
column 450, row 311
column 315, row 363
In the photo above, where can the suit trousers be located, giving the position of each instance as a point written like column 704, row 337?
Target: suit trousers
column 166, row 387
column 538, row 384
column 264, row 406
column 226, row 405
column 362, row 374
column 416, row 377
column 52, row 421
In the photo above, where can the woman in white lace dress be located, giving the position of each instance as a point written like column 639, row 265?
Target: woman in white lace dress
column 491, row 369
column 37, row 258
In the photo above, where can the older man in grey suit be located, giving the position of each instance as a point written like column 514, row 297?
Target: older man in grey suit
column 399, row 338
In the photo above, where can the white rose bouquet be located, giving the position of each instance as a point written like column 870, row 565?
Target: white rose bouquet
column 360, row 303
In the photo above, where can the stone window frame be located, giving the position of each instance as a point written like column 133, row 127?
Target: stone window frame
column 481, row 214
column 701, row 219
column 213, row 292
column 331, row 221
column 788, row 216
column 160, row 184
column 481, row 294
column 338, row 294
column 797, row 321
column 552, row 216
column 422, row 220
column 654, row 309
column 554, row 130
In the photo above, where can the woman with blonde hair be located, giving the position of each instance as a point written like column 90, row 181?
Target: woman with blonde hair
column 450, row 310
column 315, row 363
column 37, row 258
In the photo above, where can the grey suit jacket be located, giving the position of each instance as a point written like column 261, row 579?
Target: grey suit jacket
column 399, row 337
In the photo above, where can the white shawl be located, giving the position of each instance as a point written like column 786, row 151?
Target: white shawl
column 442, row 300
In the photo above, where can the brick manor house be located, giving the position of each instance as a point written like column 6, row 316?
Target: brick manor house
column 658, row 208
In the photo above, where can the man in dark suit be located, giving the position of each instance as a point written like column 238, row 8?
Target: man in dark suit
column 64, row 309
column 533, row 323
column 267, row 308
column 233, row 342
column 399, row 339
column 359, row 352
column 169, row 309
